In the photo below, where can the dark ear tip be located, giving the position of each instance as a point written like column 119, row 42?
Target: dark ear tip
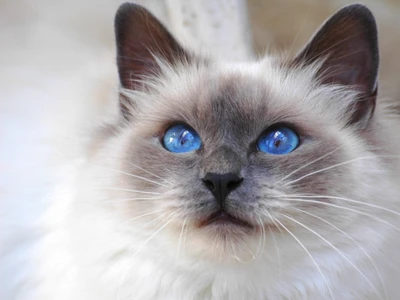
column 122, row 13
column 128, row 7
column 360, row 11
column 126, row 11
column 358, row 8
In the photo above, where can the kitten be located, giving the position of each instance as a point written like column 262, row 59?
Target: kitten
column 274, row 179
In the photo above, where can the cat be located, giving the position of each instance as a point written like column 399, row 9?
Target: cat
column 272, row 179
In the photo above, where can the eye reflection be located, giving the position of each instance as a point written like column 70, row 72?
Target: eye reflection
column 181, row 138
column 278, row 141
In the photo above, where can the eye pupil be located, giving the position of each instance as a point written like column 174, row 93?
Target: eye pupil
column 278, row 141
column 185, row 137
column 181, row 138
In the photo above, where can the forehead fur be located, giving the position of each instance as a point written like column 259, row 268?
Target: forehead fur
column 249, row 96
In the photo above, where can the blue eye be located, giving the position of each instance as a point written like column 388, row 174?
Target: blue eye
column 278, row 141
column 181, row 138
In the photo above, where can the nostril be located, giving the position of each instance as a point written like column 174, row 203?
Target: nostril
column 209, row 184
column 220, row 185
column 231, row 185
column 224, row 183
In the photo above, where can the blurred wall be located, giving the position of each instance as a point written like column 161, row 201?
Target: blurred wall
column 286, row 25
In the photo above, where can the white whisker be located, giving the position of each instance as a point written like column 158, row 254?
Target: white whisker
column 170, row 217
column 275, row 242
column 150, row 173
column 253, row 257
column 344, row 208
column 308, row 164
column 311, row 257
column 354, row 241
column 128, row 190
column 159, row 217
column 349, row 200
column 337, row 250
column 141, row 168
column 184, row 237
column 261, row 243
column 137, row 176
column 140, row 216
column 147, row 224
column 133, row 199
column 334, row 166
column 181, row 236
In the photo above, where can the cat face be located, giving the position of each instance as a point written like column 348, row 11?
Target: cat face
column 230, row 111
column 230, row 191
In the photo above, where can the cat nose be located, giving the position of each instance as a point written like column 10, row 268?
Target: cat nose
column 221, row 185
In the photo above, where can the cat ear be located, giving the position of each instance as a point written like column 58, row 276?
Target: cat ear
column 348, row 45
column 141, row 39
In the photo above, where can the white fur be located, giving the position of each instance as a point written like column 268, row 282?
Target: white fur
column 77, row 250
column 85, row 253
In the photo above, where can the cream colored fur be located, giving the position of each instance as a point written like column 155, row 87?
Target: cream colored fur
column 59, row 243
column 92, row 251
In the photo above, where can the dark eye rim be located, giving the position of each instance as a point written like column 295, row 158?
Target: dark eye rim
column 275, row 126
column 168, row 126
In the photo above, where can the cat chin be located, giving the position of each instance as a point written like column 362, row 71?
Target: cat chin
column 221, row 242
column 223, row 251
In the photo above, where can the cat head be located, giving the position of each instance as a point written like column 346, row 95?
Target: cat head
column 219, row 156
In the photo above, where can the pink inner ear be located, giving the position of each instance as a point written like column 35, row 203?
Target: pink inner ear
column 353, row 67
column 344, row 74
column 350, row 77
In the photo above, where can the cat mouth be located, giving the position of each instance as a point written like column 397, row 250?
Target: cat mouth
column 224, row 218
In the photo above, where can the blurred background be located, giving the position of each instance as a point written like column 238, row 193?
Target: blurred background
column 58, row 79
column 288, row 24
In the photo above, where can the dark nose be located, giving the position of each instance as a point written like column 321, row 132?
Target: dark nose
column 221, row 185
